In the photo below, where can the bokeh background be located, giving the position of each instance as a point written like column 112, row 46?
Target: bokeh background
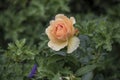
column 24, row 43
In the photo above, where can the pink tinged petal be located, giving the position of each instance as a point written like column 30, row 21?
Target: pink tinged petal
column 58, row 45
column 73, row 44
column 48, row 32
column 73, row 20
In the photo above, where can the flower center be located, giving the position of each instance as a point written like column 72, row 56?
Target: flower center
column 60, row 32
column 59, row 27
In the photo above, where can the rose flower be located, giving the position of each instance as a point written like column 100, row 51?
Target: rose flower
column 61, row 33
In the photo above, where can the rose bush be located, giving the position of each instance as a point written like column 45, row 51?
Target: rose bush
column 61, row 33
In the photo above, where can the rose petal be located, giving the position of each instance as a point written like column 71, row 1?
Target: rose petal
column 57, row 45
column 73, row 44
column 67, row 21
column 59, row 15
column 48, row 32
column 73, row 20
column 52, row 21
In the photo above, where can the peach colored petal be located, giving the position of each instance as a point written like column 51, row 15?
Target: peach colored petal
column 67, row 22
column 59, row 16
column 57, row 45
column 62, row 22
column 61, row 32
column 73, row 20
column 73, row 44
column 50, row 36
column 52, row 21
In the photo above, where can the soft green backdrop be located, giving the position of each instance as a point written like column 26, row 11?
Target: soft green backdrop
column 23, row 42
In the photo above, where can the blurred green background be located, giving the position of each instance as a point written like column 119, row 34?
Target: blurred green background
column 24, row 43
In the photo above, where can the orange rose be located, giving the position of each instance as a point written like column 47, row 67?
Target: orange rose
column 61, row 33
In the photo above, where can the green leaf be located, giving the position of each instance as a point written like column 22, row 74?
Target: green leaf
column 72, row 59
column 85, row 69
column 54, row 58
column 99, row 77
column 88, row 76
column 42, row 44
column 57, row 77
column 20, row 43
column 78, row 79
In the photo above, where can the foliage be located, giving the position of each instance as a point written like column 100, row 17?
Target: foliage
column 23, row 40
column 27, row 19
column 20, row 52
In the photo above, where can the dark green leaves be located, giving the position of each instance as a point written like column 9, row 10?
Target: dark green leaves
column 85, row 69
column 88, row 76
column 57, row 77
